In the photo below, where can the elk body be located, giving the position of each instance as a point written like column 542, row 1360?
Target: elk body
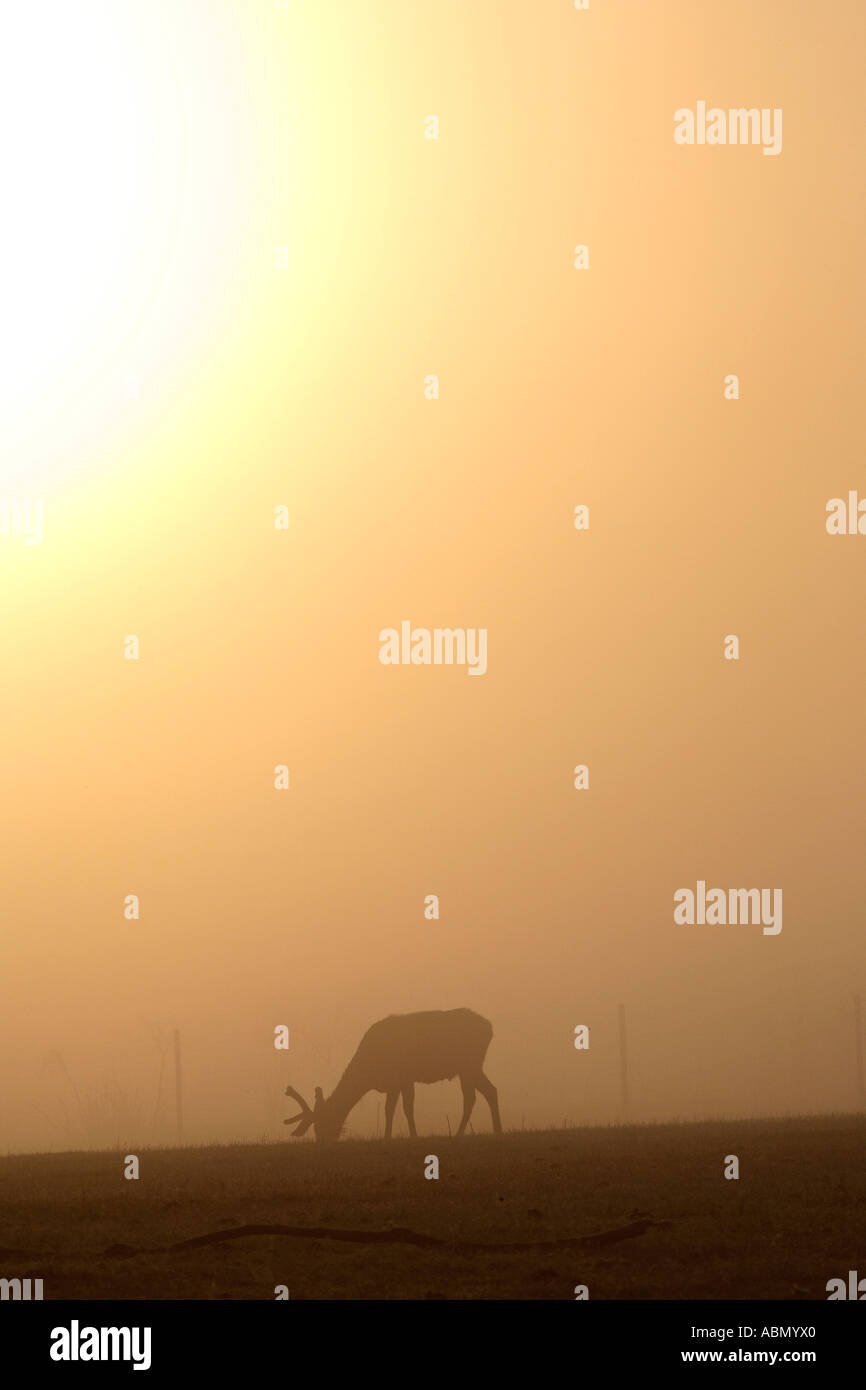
column 394, row 1054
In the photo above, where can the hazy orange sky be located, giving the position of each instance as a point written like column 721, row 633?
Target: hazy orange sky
column 168, row 385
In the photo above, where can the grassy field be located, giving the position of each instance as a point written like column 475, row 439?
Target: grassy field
column 795, row 1218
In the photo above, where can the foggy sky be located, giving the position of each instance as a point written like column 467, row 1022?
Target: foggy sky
column 605, row 647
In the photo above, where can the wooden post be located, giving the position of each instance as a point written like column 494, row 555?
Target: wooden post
column 623, row 1065
column 858, row 1053
column 178, row 1087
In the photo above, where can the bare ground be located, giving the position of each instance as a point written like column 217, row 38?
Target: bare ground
column 670, row 1224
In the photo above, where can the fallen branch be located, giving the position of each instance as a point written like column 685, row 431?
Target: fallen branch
column 398, row 1235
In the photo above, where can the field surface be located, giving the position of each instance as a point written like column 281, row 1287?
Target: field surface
column 508, row 1217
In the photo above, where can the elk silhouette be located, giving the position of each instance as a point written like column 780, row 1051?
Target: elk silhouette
column 395, row 1053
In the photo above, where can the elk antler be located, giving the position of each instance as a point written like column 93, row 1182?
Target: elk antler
column 305, row 1117
column 305, row 1109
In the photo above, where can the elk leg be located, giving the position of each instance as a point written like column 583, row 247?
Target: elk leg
column 409, row 1108
column 468, row 1102
column 491, row 1095
column 390, row 1107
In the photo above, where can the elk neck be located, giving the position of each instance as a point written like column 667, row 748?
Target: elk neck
column 348, row 1091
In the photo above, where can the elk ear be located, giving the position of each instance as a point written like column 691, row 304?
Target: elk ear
column 319, row 1096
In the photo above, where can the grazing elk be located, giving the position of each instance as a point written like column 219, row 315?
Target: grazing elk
column 394, row 1054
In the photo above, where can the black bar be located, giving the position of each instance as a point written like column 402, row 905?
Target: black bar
column 222, row 1338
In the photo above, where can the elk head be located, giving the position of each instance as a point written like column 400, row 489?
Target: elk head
column 321, row 1117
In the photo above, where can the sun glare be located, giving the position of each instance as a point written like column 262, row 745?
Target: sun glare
column 92, row 159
